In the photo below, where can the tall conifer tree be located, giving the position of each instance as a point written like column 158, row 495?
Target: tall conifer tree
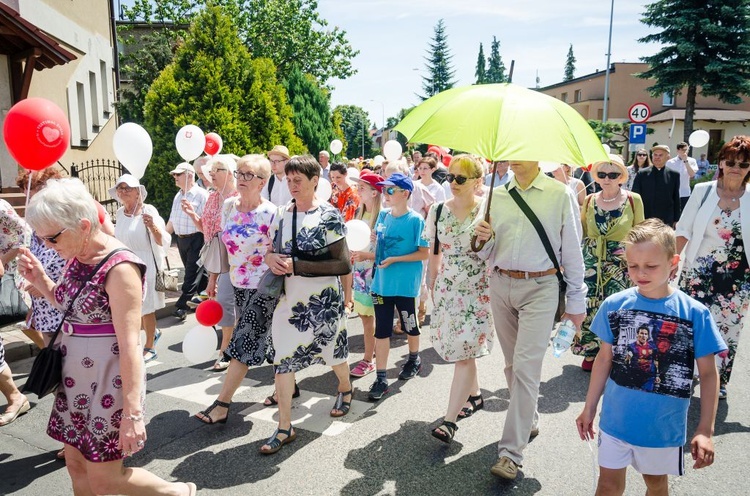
column 481, row 70
column 496, row 68
column 439, row 66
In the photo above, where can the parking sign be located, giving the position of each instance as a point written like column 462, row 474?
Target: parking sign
column 637, row 134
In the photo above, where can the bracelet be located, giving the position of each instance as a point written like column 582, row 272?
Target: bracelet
column 134, row 418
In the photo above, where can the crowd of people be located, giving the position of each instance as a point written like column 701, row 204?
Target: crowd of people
column 602, row 255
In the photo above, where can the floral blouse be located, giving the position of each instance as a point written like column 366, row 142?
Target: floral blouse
column 13, row 230
column 346, row 201
column 245, row 234
column 212, row 212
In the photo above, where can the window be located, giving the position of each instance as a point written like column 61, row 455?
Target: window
column 564, row 97
column 668, row 99
column 578, row 96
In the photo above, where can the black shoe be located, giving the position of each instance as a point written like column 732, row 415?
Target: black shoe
column 180, row 313
column 410, row 370
column 378, row 390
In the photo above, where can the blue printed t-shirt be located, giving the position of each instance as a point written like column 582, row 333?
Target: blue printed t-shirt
column 654, row 345
column 397, row 236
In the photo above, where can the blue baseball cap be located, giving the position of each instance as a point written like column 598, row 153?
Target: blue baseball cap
column 400, row 181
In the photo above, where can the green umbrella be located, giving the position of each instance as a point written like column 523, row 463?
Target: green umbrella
column 504, row 122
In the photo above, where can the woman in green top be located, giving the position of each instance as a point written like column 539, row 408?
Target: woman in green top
column 607, row 216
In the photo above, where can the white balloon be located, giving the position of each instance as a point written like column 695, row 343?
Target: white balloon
column 357, row 235
column 698, row 138
column 607, row 150
column 190, row 142
column 549, row 166
column 324, row 190
column 133, row 148
column 352, row 173
column 378, row 160
column 200, row 344
column 392, row 149
column 336, row 146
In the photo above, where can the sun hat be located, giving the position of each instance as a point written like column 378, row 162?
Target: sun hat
column 371, row 179
column 661, row 147
column 399, row 180
column 128, row 180
column 280, row 150
column 615, row 160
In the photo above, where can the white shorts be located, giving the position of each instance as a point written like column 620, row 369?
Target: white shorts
column 616, row 454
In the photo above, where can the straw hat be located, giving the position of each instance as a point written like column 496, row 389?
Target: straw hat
column 615, row 160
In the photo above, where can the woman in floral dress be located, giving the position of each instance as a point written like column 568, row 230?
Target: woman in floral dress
column 245, row 225
column 99, row 407
column 309, row 320
column 462, row 326
column 607, row 218
column 712, row 230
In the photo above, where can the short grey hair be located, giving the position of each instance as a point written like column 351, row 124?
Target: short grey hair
column 226, row 160
column 324, row 152
column 63, row 202
column 259, row 164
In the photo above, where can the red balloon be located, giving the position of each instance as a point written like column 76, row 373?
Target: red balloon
column 436, row 150
column 447, row 159
column 36, row 133
column 214, row 144
column 209, row 313
column 101, row 212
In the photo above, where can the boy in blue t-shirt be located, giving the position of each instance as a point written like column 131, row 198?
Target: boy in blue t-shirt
column 399, row 252
column 651, row 337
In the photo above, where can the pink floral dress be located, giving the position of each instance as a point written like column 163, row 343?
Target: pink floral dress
column 89, row 402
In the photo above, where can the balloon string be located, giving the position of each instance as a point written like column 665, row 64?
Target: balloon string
column 27, row 233
column 593, row 463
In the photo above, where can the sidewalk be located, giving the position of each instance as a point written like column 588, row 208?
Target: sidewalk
column 18, row 346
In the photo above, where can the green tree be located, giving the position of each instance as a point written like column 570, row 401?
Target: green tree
column 312, row 111
column 214, row 83
column 356, row 126
column 439, row 66
column 496, row 68
column 705, row 47
column 289, row 32
column 570, row 65
column 337, row 120
column 481, row 71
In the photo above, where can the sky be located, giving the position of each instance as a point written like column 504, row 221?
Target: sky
column 393, row 38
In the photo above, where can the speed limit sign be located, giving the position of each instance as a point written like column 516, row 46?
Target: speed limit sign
column 639, row 113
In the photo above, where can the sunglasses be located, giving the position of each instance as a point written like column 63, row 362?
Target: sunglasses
column 732, row 164
column 391, row 190
column 641, row 155
column 610, row 175
column 246, row 176
column 459, row 179
column 53, row 239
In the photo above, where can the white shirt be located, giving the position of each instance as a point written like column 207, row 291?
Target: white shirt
column 280, row 194
column 499, row 181
column 421, row 199
column 181, row 222
column 677, row 164
column 517, row 246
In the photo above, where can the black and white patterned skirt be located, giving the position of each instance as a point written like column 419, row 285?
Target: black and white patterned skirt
column 251, row 340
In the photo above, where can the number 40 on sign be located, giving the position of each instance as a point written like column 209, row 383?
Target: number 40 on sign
column 639, row 113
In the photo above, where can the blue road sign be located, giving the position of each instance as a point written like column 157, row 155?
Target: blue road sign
column 637, row 134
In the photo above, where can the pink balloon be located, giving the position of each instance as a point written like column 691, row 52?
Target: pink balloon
column 214, row 144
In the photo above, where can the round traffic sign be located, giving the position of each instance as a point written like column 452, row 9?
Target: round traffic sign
column 639, row 113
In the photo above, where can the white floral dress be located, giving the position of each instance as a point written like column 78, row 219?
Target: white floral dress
column 461, row 322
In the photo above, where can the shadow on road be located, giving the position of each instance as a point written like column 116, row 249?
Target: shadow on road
column 20, row 472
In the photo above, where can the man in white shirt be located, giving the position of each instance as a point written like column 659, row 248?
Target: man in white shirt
column 277, row 189
column 502, row 173
column 524, row 292
column 687, row 167
column 192, row 198
column 324, row 158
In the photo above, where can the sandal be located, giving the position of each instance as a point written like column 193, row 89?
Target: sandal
column 222, row 363
column 468, row 411
column 271, row 400
column 206, row 419
column 341, row 405
column 275, row 443
column 60, row 455
column 445, row 431
column 149, row 354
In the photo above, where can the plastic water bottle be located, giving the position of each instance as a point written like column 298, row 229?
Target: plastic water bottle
column 564, row 334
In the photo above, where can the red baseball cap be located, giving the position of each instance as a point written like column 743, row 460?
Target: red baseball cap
column 371, row 179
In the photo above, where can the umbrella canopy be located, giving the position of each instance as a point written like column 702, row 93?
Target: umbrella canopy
column 504, row 122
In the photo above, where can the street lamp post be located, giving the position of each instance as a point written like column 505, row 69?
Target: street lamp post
column 609, row 54
column 363, row 138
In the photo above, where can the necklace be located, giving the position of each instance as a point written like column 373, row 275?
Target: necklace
column 609, row 200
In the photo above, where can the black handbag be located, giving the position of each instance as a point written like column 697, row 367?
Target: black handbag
column 12, row 305
column 321, row 262
column 271, row 284
column 547, row 247
column 46, row 372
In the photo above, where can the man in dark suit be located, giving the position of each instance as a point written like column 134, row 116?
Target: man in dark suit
column 659, row 188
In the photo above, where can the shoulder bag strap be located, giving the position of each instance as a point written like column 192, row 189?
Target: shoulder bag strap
column 294, row 230
column 438, row 211
column 538, row 226
column 279, row 234
column 705, row 195
column 271, row 180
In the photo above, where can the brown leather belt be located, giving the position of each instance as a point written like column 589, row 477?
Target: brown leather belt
column 519, row 274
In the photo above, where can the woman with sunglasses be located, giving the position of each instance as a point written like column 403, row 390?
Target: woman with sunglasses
column 712, row 230
column 462, row 325
column 641, row 160
column 221, row 170
column 140, row 227
column 607, row 217
column 245, row 223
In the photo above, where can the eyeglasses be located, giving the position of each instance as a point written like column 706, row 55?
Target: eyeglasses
column 611, row 175
column 732, row 163
column 246, row 176
column 125, row 189
column 53, row 239
column 279, row 161
column 214, row 171
column 391, row 190
column 459, row 179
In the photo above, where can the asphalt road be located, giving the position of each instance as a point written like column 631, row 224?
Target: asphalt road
column 378, row 449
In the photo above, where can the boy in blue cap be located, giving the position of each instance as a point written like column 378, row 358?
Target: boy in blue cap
column 399, row 252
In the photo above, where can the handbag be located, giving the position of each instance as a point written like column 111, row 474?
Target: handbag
column 46, row 372
column 563, row 286
column 166, row 279
column 12, row 305
column 320, row 262
column 271, row 284
column 214, row 257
